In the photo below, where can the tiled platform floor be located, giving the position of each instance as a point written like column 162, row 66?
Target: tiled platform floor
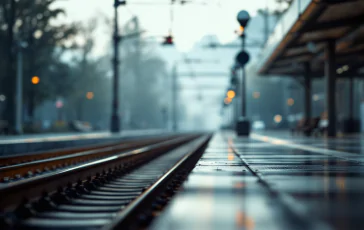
column 265, row 182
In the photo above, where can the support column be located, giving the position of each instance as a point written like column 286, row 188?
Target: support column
column 330, row 78
column 236, row 109
column 174, row 98
column 19, row 92
column 308, row 91
column 243, row 83
column 351, row 99
column 237, row 101
column 351, row 123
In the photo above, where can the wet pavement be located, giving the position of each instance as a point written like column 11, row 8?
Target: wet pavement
column 272, row 182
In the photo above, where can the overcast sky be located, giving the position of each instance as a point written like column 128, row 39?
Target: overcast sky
column 191, row 21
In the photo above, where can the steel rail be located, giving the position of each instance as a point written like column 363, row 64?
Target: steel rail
column 70, row 157
column 40, row 155
column 128, row 217
column 33, row 189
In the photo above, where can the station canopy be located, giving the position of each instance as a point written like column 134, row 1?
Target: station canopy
column 303, row 32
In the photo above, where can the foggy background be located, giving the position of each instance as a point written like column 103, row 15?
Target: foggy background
column 68, row 47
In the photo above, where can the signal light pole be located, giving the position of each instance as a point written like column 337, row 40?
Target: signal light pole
column 243, row 124
column 243, row 80
column 115, row 117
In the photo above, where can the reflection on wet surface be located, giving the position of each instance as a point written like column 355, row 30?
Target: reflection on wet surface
column 242, row 183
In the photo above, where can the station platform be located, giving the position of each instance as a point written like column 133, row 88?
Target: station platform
column 272, row 181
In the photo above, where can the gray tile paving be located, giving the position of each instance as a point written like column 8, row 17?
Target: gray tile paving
column 272, row 183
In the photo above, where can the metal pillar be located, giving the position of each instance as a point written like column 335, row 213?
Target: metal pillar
column 9, row 85
column 351, row 99
column 19, row 93
column 308, row 91
column 330, row 76
column 351, row 123
column 236, row 101
column 266, row 25
column 243, row 82
column 236, row 108
column 232, row 118
column 243, row 124
column 174, row 98
column 115, row 119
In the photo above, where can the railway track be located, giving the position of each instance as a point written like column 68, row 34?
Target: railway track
column 13, row 168
column 119, row 191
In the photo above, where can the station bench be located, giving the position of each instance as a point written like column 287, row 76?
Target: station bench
column 317, row 125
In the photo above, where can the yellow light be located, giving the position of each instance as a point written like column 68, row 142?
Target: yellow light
column 316, row 97
column 244, row 221
column 231, row 156
column 277, row 118
column 256, row 95
column 239, row 185
column 290, row 101
column 242, row 29
column 227, row 101
column 89, row 95
column 35, row 80
column 340, row 183
column 230, row 94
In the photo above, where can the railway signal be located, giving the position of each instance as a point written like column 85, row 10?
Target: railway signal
column 243, row 124
column 243, row 19
column 230, row 94
column 168, row 40
column 242, row 58
column 227, row 101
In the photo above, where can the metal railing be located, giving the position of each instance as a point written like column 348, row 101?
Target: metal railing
column 282, row 28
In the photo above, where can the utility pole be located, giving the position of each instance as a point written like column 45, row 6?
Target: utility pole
column 19, row 92
column 266, row 25
column 19, row 89
column 115, row 118
column 10, row 71
column 174, row 98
